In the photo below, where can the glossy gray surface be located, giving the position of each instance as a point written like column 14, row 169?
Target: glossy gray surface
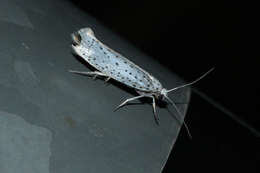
column 52, row 121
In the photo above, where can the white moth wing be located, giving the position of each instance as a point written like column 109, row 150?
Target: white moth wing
column 116, row 66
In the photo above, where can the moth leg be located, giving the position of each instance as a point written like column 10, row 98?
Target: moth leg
column 89, row 73
column 107, row 79
column 156, row 117
column 94, row 77
column 128, row 100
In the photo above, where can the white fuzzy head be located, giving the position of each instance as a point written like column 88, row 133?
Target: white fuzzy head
column 163, row 94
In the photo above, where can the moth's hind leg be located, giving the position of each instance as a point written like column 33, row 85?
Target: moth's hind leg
column 94, row 74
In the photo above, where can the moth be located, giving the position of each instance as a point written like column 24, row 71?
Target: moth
column 111, row 65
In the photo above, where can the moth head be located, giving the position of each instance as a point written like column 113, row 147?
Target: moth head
column 164, row 91
column 163, row 94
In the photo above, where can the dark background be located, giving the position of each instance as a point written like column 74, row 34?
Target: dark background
column 190, row 37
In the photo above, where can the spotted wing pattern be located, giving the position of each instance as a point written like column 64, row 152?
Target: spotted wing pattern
column 115, row 65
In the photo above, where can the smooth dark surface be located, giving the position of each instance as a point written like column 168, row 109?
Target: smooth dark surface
column 52, row 121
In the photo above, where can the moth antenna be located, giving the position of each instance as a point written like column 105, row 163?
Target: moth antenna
column 178, row 111
column 191, row 83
